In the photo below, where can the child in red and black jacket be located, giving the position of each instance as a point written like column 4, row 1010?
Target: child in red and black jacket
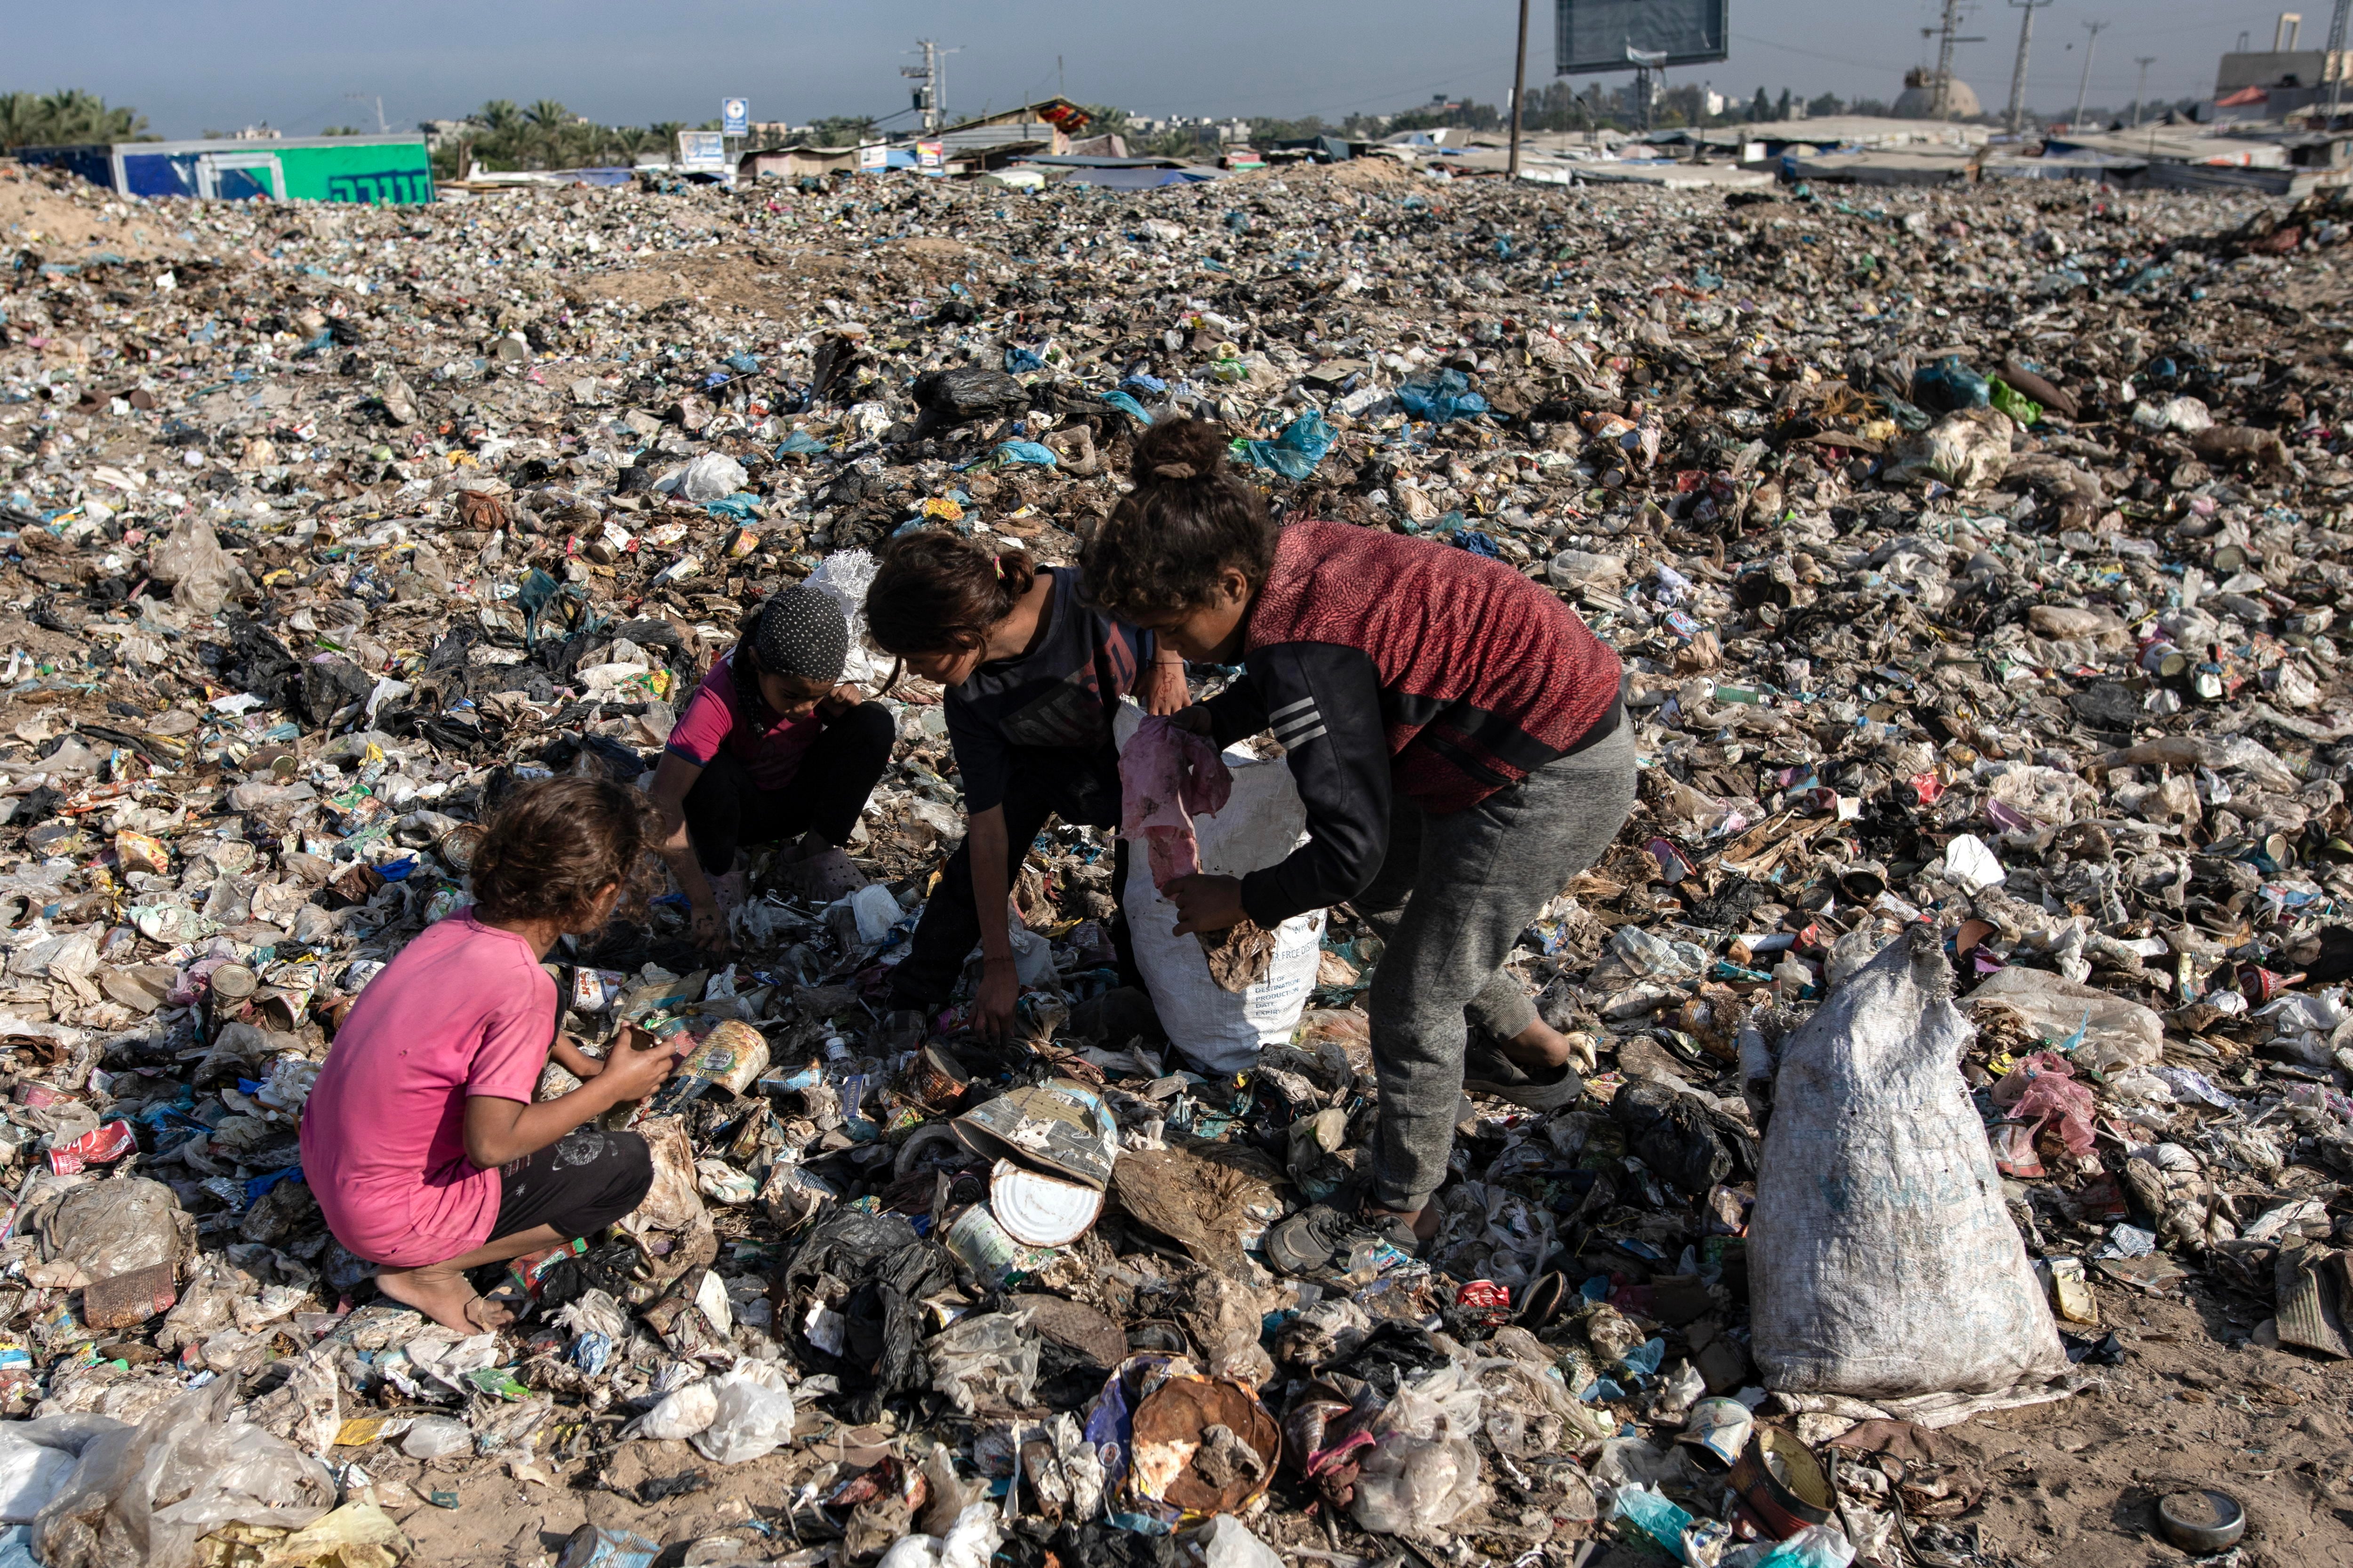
column 1457, row 741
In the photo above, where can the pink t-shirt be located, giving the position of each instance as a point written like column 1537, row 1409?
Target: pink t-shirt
column 714, row 717
column 464, row 1009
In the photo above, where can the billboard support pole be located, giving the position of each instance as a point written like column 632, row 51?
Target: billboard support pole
column 1519, row 91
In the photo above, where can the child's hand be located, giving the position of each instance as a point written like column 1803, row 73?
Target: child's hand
column 1207, row 903
column 633, row 1073
column 710, row 933
column 573, row 1060
column 1163, row 687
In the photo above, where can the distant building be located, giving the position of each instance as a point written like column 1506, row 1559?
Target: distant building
column 1925, row 98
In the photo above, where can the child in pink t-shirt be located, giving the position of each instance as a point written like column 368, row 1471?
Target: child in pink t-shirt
column 421, row 1140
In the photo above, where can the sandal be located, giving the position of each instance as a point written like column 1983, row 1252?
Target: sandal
column 471, row 1318
column 1487, row 1071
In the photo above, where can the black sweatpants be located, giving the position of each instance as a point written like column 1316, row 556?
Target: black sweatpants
column 726, row 808
column 1042, row 785
column 580, row 1184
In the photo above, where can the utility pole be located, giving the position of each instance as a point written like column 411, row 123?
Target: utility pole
column 2018, row 72
column 932, row 98
column 1519, row 91
column 2332, row 64
column 2083, row 84
column 2141, row 93
column 1940, row 102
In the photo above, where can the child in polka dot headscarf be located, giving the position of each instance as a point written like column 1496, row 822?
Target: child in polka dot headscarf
column 771, row 749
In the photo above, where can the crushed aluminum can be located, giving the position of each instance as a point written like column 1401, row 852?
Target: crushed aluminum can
column 99, row 1146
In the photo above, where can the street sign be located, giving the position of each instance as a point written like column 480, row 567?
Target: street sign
column 735, row 117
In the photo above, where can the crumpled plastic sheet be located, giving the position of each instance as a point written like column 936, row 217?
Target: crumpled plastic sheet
column 2046, row 1087
column 1167, row 776
column 1295, row 452
column 1440, row 397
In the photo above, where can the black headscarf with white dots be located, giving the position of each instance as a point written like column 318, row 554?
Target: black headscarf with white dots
column 800, row 632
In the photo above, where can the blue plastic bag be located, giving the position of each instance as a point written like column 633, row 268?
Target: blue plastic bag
column 1295, row 452
column 1948, row 386
column 1019, row 359
column 801, row 444
column 1440, row 397
column 741, row 506
column 1127, row 406
column 1009, row 452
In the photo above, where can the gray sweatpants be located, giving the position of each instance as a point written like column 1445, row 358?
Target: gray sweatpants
column 1451, row 899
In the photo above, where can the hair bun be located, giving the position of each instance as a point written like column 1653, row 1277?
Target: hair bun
column 1178, row 452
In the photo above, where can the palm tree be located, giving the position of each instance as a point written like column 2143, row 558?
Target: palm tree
column 498, row 115
column 549, row 123
column 69, row 115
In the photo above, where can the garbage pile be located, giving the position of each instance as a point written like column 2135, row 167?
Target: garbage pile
column 1975, row 558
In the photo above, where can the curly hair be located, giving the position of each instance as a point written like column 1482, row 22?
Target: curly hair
column 555, row 844
column 935, row 593
column 1190, row 516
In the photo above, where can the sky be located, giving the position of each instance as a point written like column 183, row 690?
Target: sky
column 300, row 66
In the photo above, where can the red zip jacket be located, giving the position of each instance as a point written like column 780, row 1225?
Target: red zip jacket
column 1382, row 661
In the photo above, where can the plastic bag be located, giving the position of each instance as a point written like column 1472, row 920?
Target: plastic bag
column 970, row 1544
column 1257, row 822
column 192, row 560
column 2117, row 1033
column 683, row 1413
column 220, row 1470
column 1410, row 1485
column 1948, row 386
column 1295, row 452
column 1440, row 397
column 1882, row 1259
column 111, row 1227
column 436, row 1438
column 2041, row 1087
column 845, row 577
column 1226, row 1542
column 751, row 1415
column 714, row 476
column 36, row 1457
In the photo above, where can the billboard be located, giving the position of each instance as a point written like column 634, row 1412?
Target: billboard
column 701, row 150
column 1594, row 34
column 380, row 171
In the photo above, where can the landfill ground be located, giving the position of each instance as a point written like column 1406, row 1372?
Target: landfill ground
column 1977, row 555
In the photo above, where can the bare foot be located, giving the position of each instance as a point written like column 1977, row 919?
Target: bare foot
column 441, row 1293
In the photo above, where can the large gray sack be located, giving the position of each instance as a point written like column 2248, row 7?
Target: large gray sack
column 1883, row 1263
